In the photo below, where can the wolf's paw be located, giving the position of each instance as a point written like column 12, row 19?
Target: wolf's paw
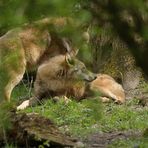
column 119, row 101
column 63, row 98
column 23, row 105
column 105, row 99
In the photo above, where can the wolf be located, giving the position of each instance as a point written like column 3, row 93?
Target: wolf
column 25, row 48
column 63, row 76
column 60, row 76
column 108, row 88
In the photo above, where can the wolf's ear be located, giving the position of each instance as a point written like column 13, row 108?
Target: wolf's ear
column 66, row 45
column 72, row 51
column 69, row 60
column 48, row 39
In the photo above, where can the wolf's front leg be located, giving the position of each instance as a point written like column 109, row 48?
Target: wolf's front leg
column 31, row 102
column 24, row 105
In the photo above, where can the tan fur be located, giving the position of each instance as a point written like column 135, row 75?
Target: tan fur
column 58, row 77
column 109, row 88
column 69, row 85
column 27, row 48
column 61, row 78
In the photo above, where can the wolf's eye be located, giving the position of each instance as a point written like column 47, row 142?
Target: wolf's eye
column 83, row 68
column 76, row 69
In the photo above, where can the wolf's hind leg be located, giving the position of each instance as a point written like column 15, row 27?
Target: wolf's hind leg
column 11, row 84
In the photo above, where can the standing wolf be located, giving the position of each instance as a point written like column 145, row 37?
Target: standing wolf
column 62, row 75
column 28, row 47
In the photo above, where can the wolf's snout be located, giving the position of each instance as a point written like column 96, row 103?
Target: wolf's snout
column 94, row 77
column 91, row 77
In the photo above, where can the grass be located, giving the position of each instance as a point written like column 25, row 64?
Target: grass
column 130, row 143
column 76, row 118
column 129, row 116
column 83, row 117
column 88, row 116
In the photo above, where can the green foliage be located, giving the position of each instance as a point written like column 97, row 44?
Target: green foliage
column 15, row 13
column 5, row 114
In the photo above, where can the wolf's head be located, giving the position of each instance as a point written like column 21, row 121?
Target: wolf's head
column 78, row 71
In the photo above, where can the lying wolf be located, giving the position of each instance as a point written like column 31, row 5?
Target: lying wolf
column 28, row 47
column 62, row 75
column 108, row 88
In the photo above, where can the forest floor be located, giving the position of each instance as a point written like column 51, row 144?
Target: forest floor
column 96, row 124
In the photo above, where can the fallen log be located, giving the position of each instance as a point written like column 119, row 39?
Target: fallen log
column 33, row 130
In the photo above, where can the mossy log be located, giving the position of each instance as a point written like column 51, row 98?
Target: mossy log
column 33, row 130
